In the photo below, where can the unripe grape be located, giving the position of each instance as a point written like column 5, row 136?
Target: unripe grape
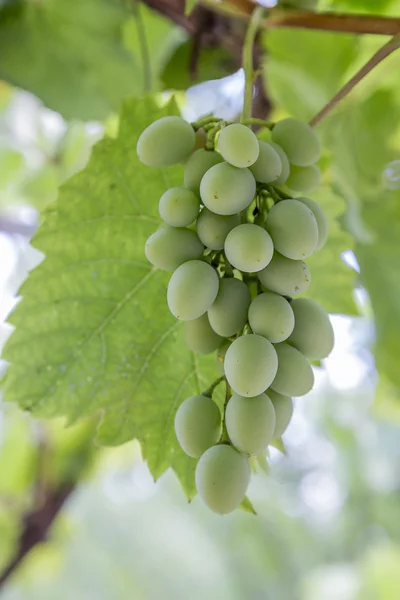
column 304, row 179
column 268, row 166
column 250, row 423
column 200, row 337
column 250, row 365
column 284, row 162
column 179, row 207
column 169, row 247
column 313, row 333
column 249, row 248
column 293, row 229
column 295, row 376
column 165, row 142
column 197, row 425
column 228, row 314
column 271, row 316
column 227, row 190
column 321, row 219
column 192, row 289
column 283, row 406
column 238, row 145
column 298, row 140
column 285, row 276
column 212, row 229
column 222, row 478
column 197, row 165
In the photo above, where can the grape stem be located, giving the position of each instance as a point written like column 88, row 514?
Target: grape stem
column 224, row 433
column 247, row 60
column 262, row 122
column 209, row 391
column 205, row 121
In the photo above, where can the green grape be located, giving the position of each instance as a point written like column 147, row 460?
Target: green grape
column 165, row 142
column 268, row 166
column 222, row 350
column 271, row 316
column 293, row 229
column 285, row 276
column 284, row 162
column 227, row 190
column 222, row 478
column 321, row 219
column 228, row 314
column 212, row 229
column 192, row 289
column 283, row 406
column 238, row 145
column 295, row 376
column 250, row 365
column 200, row 337
column 304, row 179
column 250, row 423
column 313, row 333
column 197, row 425
column 298, row 140
column 169, row 247
column 249, row 248
column 179, row 207
column 196, row 167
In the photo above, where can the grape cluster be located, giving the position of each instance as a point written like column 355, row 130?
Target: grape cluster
column 235, row 237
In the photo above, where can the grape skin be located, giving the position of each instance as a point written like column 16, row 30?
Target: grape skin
column 304, row 179
column 200, row 337
column 321, row 219
column 238, row 145
column 178, row 207
column 197, row 425
column 222, row 477
column 250, row 365
column 293, row 229
column 227, row 190
column 313, row 333
column 169, row 247
column 284, row 162
column 228, row 314
column 268, row 166
column 165, row 142
column 295, row 376
column 283, row 406
column 250, row 423
column 271, row 316
column 197, row 165
column 298, row 140
column 249, row 248
column 212, row 229
column 285, row 276
column 192, row 289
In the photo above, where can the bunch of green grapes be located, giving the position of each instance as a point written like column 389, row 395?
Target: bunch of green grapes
column 235, row 237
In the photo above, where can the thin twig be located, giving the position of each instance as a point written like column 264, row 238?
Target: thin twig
column 248, row 61
column 144, row 47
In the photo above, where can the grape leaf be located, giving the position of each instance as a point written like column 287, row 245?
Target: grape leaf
column 93, row 331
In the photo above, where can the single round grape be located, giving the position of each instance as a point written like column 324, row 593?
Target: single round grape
column 227, row 190
column 283, row 406
column 321, row 219
column 238, row 145
column 165, row 142
column 249, row 247
column 250, row 365
column 304, row 179
column 284, row 162
column 222, row 350
column 222, row 478
column 268, row 166
column 212, row 229
column 293, row 229
column 313, row 333
column 179, row 207
column 271, row 316
column 197, row 165
column 197, row 425
column 295, row 376
column 285, row 276
column 228, row 314
column 200, row 337
column 298, row 140
column 169, row 247
column 192, row 289
column 250, row 423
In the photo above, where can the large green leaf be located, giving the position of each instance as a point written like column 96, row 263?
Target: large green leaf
column 93, row 331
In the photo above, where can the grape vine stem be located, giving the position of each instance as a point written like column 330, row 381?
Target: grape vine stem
column 247, row 59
